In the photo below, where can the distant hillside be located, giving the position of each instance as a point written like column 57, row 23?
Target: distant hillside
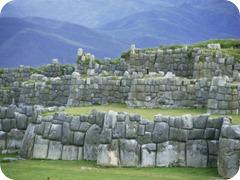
column 183, row 24
column 35, row 41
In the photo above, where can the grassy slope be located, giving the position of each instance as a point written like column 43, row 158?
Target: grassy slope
column 74, row 170
column 145, row 113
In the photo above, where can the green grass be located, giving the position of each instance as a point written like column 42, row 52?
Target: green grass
column 84, row 170
column 145, row 113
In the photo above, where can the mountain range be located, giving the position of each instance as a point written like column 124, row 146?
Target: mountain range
column 34, row 32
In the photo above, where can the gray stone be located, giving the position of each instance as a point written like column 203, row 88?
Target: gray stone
column 28, row 142
column 3, row 139
column 178, row 134
column 129, row 153
column 91, row 142
column 197, row 153
column 55, row 132
column 171, row 154
column 110, row 119
column 55, row 150
column 40, row 148
column 160, row 132
column 47, row 127
column 145, row 139
column 196, row 134
column 131, row 129
column 67, row 135
column 79, row 138
column 14, row 139
column 228, row 157
column 209, row 133
column 84, row 126
column 201, row 121
column 106, row 136
column 75, row 124
column 108, row 154
column 6, row 125
column 80, row 153
column 148, row 153
column 232, row 132
column 70, row 153
column 119, row 130
column 21, row 121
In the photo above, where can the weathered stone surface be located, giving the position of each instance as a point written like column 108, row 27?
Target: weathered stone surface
column 196, row 134
column 108, row 154
column 197, row 153
column 231, row 132
column 21, row 121
column 106, row 136
column 55, row 150
column 178, row 134
column 119, row 130
column 79, row 138
column 70, row 153
column 131, row 129
column 228, row 158
column 171, row 154
column 110, row 119
column 75, row 124
column 55, row 132
column 80, row 153
column 40, row 148
column 129, row 153
column 3, row 136
column 26, row 150
column 200, row 122
column 160, row 132
column 6, row 125
column 67, row 136
column 91, row 142
column 148, row 155
column 14, row 139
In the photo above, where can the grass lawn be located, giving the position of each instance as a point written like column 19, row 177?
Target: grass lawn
column 83, row 170
column 145, row 113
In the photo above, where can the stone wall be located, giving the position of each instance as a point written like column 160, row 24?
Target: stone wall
column 229, row 150
column 120, row 139
column 223, row 97
column 169, row 92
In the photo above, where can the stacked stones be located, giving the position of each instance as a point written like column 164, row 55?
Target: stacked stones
column 202, row 91
column 158, row 92
column 119, row 139
column 99, row 90
column 12, row 127
column 173, row 60
column 45, row 91
column 229, row 148
column 223, row 97
column 166, row 142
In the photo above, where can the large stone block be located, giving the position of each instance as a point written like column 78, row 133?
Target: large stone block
column 160, row 132
column 21, row 121
column 70, row 153
column 197, row 153
column 14, row 139
column 79, row 138
column 129, row 153
column 131, row 129
column 228, row 157
column 67, row 137
column 110, row 119
column 26, row 150
column 108, row 154
column 55, row 150
column 171, row 154
column 40, row 149
column 91, row 143
column 55, row 132
column 3, row 139
column 6, row 125
column 75, row 124
column 148, row 155
column 119, row 130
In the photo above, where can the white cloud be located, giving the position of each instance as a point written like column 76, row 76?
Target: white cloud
column 3, row 3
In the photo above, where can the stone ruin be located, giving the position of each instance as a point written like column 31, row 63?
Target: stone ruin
column 146, row 78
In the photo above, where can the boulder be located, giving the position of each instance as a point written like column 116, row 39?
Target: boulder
column 197, row 153
column 108, row 154
column 14, row 139
column 129, row 153
column 40, row 148
column 78, row 138
column 55, row 150
column 160, row 132
column 91, row 142
column 70, row 153
column 148, row 155
column 171, row 154
column 55, row 132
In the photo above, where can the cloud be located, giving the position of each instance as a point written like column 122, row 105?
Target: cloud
column 3, row 3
